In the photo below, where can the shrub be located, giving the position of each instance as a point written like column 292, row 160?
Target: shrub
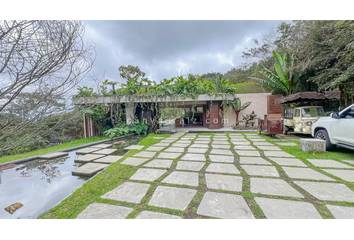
column 124, row 129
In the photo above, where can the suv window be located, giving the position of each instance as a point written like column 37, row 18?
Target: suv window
column 349, row 114
column 297, row 113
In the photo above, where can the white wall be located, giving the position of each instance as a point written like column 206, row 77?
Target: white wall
column 258, row 105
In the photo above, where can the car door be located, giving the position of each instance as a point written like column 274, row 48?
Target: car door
column 342, row 129
column 297, row 120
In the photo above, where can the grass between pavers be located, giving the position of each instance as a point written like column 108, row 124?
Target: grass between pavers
column 52, row 149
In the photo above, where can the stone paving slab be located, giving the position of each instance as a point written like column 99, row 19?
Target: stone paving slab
column 86, row 150
column 145, row 154
column 258, row 140
column 286, row 144
column 288, row 162
column 242, row 143
column 169, row 155
column 128, row 192
column 102, row 145
column 220, row 158
column 224, row 205
column 199, row 146
column 237, row 137
column 239, row 140
column 155, row 149
column 347, row 175
column 277, row 154
column 305, row 173
column 156, row 215
column 161, row 144
column 194, row 157
column 184, row 142
column 204, row 136
column 328, row 163
column 147, row 174
column 220, row 146
column 89, row 169
column 285, row 209
column 172, row 197
column 249, row 147
column 159, row 137
column 202, row 142
column 182, row 178
column 341, row 212
column 138, row 147
column 182, row 145
column 104, row 211
column 224, row 182
column 221, row 152
column 248, row 153
column 222, row 168
column 189, row 166
column 134, row 161
column 266, row 171
column 220, row 142
column 53, row 155
column 263, row 144
column 168, row 140
column 269, row 148
column 105, row 151
column 328, row 191
column 174, row 149
column 159, row 163
column 220, row 139
column 108, row 159
column 276, row 187
column 254, row 137
column 87, row 158
column 254, row 160
column 197, row 150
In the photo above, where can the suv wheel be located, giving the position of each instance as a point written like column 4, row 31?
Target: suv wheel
column 323, row 135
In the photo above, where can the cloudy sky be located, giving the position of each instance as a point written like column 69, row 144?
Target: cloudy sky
column 164, row 49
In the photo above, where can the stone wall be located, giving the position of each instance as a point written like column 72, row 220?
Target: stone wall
column 258, row 105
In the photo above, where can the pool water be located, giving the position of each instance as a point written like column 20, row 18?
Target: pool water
column 42, row 184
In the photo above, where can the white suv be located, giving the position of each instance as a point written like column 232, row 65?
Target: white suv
column 337, row 129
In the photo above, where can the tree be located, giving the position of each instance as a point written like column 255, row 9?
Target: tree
column 42, row 59
column 130, row 72
column 284, row 79
column 237, row 107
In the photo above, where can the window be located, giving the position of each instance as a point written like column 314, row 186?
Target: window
column 312, row 112
column 349, row 114
column 297, row 113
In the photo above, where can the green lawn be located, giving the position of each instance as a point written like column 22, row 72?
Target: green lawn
column 52, row 149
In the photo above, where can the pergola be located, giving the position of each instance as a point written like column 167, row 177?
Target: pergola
column 212, row 109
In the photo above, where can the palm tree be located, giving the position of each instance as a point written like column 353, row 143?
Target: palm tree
column 236, row 106
column 284, row 79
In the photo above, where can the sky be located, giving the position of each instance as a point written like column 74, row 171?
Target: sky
column 165, row 49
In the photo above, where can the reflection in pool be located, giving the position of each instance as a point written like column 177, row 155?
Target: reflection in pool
column 41, row 184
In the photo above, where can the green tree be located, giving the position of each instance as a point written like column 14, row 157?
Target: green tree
column 237, row 107
column 284, row 78
column 130, row 72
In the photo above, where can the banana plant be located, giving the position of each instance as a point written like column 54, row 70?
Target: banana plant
column 237, row 107
column 284, row 79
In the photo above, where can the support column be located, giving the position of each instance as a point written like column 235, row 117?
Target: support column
column 129, row 113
